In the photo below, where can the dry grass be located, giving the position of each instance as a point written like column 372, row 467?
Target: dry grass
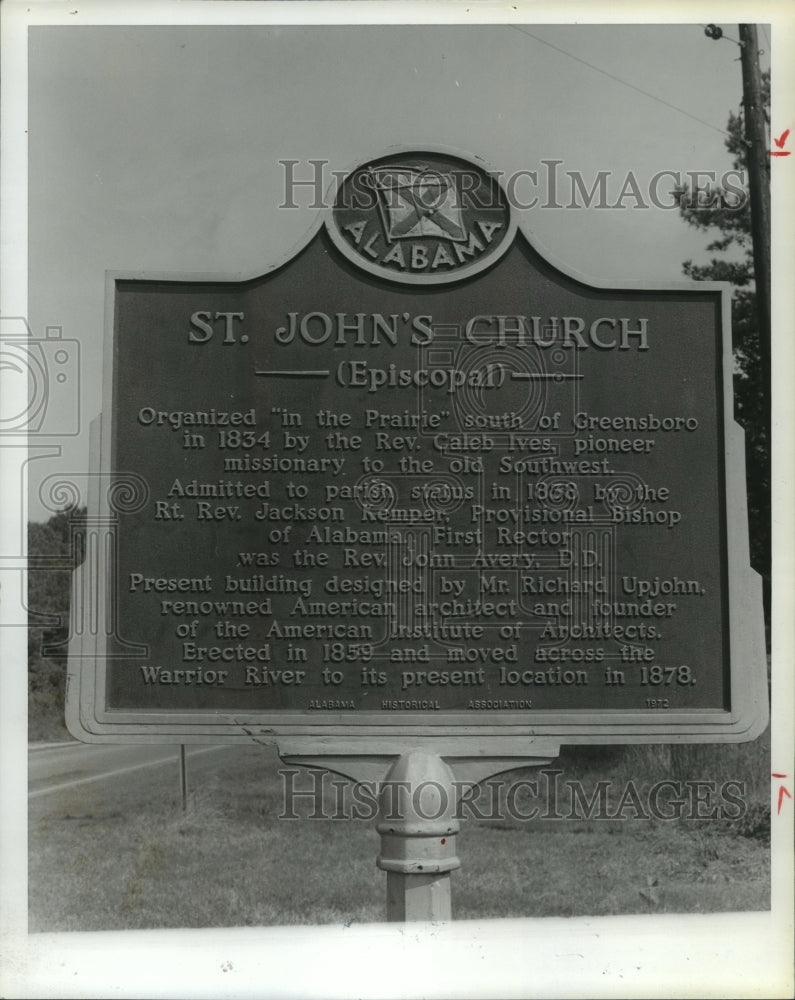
column 619, row 868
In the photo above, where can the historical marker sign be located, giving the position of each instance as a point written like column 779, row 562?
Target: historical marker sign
column 417, row 480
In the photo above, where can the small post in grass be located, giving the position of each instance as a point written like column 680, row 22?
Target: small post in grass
column 183, row 777
column 418, row 826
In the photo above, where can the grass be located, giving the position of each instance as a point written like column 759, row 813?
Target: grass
column 587, row 871
column 230, row 861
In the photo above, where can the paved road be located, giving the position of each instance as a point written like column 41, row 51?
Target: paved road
column 82, row 776
column 54, row 768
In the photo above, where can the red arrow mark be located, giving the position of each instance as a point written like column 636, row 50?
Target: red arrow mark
column 783, row 790
column 780, row 143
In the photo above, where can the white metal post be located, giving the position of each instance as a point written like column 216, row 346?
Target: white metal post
column 418, row 826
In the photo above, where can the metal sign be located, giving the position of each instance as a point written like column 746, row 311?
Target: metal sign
column 417, row 481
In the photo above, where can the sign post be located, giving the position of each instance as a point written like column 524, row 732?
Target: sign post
column 417, row 502
column 418, row 845
column 183, row 777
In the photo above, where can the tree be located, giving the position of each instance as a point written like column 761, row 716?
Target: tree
column 49, row 587
column 751, row 390
column 54, row 550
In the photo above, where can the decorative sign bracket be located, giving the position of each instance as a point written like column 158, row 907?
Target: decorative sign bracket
column 421, row 790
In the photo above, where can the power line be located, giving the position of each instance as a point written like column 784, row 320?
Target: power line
column 767, row 39
column 624, row 83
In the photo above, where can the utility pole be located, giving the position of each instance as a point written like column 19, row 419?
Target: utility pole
column 759, row 186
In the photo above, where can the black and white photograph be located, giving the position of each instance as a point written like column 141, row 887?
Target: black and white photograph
column 396, row 538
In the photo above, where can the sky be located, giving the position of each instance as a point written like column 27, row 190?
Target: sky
column 156, row 147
